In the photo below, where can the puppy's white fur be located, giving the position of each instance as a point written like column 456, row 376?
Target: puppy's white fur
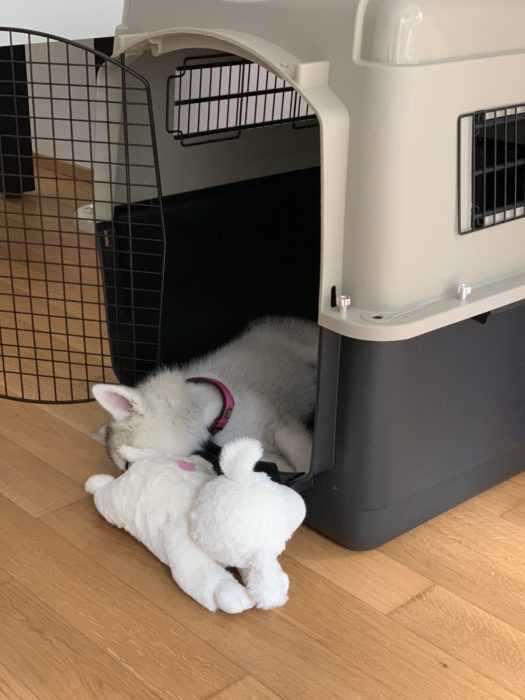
column 272, row 372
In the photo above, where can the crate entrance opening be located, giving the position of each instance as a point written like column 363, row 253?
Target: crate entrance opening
column 242, row 216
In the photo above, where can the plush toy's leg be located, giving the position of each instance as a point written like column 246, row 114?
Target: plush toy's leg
column 295, row 442
column 266, row 582
column 200, row 577
column 103, row 487
column 97, row 482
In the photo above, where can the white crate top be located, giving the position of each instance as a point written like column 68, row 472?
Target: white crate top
column 388, row 80
column 395, row 32
column 401, row 32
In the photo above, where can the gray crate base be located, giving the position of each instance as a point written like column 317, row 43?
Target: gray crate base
column 406, row 430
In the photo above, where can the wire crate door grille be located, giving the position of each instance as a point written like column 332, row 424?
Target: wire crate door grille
column 78, row 163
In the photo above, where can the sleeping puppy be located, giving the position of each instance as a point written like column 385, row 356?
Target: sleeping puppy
column 261, row 384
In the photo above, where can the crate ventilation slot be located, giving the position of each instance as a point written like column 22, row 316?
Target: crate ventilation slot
column 216, row 97
column 491, row 167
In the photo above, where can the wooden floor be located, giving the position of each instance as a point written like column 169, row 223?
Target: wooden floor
column 85, row 612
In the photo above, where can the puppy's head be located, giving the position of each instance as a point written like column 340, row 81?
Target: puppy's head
column 146, row 420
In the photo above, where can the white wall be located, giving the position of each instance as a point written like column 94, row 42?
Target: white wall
column 72, row 19
column 58, row 100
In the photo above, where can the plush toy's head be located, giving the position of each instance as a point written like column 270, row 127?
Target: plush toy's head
column 243, row 513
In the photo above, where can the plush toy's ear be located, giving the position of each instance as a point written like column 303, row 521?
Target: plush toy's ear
column 121, row 401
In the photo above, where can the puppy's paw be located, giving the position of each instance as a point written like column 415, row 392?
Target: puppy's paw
column 232, row 598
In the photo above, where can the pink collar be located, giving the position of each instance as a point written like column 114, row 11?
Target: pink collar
column 228, row 402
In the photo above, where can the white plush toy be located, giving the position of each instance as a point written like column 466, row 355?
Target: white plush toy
column 198, row 523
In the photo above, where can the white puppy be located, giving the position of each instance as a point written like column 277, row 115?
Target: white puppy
column 269, row 373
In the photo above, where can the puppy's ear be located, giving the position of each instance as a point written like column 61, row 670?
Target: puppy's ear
column 120, row 401
column 100, row 434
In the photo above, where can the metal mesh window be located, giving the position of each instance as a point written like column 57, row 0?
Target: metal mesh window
column 79, row 273
column 492, row 146
column 217, row 96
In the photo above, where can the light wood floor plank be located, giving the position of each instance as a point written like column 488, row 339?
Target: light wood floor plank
column 478, row 557
column 11, row 687
column 247, row 688
column 81, row 524
column 516, row 515
column 370, row 576
column 31, row 483
column 54, row 660
column 85, row 417
column 64, row 448
column 169, row 658
column 408, row 665
column 493, row 648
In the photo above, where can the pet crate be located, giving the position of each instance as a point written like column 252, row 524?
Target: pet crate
column 365, row 169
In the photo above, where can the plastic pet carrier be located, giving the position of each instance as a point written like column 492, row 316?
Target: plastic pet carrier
column 238, row 159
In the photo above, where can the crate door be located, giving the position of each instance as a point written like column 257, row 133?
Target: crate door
column 81, row 228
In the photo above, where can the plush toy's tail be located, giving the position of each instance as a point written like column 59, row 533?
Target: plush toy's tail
column 239, row 457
